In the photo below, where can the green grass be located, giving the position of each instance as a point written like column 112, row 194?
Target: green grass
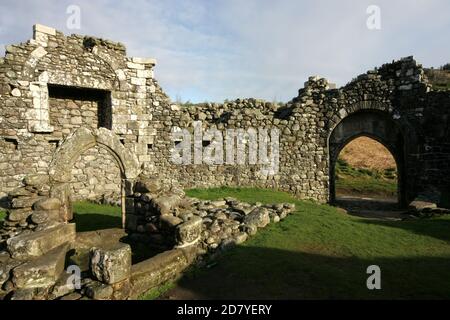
column 321, row 253
column 441, row 86
column 359, row 181
column 2, row 217
column 90, row 216
column 154, row 293
column 245, row 194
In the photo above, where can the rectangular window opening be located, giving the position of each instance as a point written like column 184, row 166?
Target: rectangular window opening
column 13, row 142
column 54, row 143
column 206, row 143
column 102, row 97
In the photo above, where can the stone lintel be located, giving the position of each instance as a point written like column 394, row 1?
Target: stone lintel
column 41, row 127
column 151, row 61
column 43, row 29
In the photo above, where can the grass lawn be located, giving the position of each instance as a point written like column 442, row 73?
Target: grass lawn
column 321, row 253
column 2, row 217
column 359, row 181
column 441, row 86
column 90, row 216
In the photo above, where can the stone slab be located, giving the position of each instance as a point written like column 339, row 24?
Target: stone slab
column 40, row 242
column 42, row 272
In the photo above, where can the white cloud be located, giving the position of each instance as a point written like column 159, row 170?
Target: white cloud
column 212, row 50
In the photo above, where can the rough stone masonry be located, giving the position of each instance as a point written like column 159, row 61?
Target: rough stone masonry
column 81, row 120
column 58, row 91
column 53, row 85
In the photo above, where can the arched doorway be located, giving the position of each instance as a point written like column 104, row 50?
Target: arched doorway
column 376, row 125
column 366, row 179
column 78, row 143
column 96, row 190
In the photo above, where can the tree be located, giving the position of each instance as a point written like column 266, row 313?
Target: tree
column 446, row 66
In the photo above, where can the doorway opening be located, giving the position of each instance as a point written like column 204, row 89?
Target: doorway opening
column 96, row 190
column 366, row 179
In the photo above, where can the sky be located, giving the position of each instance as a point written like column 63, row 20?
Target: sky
column 213, row 50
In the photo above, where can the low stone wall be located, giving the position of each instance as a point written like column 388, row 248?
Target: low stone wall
column 166, row 266
column 31, row 209
column 161, row 213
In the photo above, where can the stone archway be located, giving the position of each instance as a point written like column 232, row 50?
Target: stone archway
column 374, row 124
column 73, row 146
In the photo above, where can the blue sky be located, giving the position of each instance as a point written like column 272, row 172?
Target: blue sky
column 215, row 50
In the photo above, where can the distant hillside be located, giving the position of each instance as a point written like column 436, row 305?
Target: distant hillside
column 366, row 168
column 439, row 78
column 367, row 153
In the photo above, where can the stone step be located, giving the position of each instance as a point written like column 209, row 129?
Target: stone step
column 42, row 272
column 163, row 267
column 25, row 247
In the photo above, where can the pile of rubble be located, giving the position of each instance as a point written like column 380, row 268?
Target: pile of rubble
column 162, row 213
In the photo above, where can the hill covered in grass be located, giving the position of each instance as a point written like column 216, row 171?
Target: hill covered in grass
column 366, row 168
column 439, row 78
column 366, row 153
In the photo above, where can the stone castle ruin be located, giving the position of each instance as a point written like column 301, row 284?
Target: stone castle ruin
column 81, row 120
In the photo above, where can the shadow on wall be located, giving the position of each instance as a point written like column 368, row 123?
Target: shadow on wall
column 445, row 200
column 263, row 273
column 4, row 202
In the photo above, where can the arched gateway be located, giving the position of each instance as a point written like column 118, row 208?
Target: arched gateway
column 377, row 125
column 78, row 142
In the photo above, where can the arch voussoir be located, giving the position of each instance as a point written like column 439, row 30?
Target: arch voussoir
column 83, row 139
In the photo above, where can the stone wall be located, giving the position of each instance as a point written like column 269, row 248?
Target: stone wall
column 298, row 147
column 54, row 84
column 96, row 176
column 399, row 91
column 78, row 117
column 67, row 115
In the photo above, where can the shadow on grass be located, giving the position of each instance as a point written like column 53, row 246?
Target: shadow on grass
column 95, row 221
column 436, row 228
column 264, row 273
column 320, row 253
